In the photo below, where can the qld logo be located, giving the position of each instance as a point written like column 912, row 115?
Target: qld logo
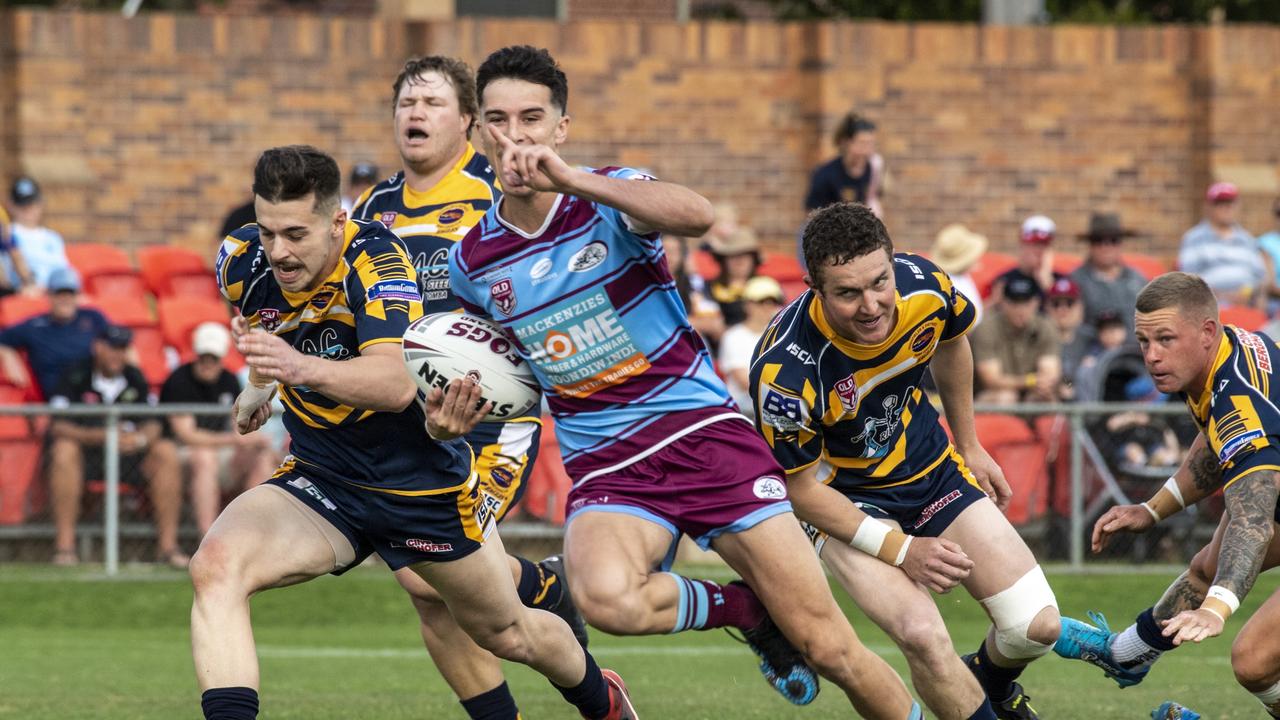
column 269, row 318
column 503, row 293
column 847, row 390
column 388, row 218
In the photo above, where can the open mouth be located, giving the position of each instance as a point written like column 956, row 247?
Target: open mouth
column 416, row 136
column 286, row 274
column 870, row 324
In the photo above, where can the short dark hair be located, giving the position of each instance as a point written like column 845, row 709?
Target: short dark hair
column 851, row 125
column 454, row 70
column 1190, row 294
column 840, row 233
column 295, row 171
column 525, row 62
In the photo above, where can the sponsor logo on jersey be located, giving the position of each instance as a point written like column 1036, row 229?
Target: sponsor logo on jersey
column 388, row 218
column 588, row 257
column 783, row 412
column 770, row 488
column 393, row 290
column 1238, row 443
column 307, row 487
column 935, row 507
column 923, row 339
column 502, row 477
column 801, row 354
column 269, row 318
column 428, row 546
column 503, row 293
column 847, row 391
column 321, row 299
column 450, row 217
column 540, row 268
column 1259, row 348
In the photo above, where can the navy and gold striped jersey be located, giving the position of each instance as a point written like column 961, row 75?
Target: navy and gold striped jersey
column 431, row 222
column 858, row 411
column 1236, row 409
column 370, row 298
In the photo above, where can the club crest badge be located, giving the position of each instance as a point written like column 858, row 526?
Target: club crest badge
column 388, row 218
column 847, row 390
column 269, row 319
column 504, row 295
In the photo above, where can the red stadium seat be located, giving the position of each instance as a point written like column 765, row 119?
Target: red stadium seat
column 21, row 462
column 1021, row 455
column 1148, row 265
column 149, row 345
column 116, row 284
column 704, row 263
column 128, row 310
column 13, row 427
column 990, row 266
column 179, row 316
column 159, row 264
column 549, row 484
column 780, row 267
column 16, row 308
column 203, row 285
column 91, row 259
column 1064, row 263
column 1245, row 318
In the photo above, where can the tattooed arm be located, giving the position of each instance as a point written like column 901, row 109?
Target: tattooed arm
column 1251, row 507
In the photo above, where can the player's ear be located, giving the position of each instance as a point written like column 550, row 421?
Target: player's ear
column 339, row 220
column 562, row 130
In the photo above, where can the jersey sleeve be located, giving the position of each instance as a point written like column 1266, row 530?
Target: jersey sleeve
column 785, row 401
column 361, row 206
column 627, row 222
column 383, row 289
column 1238, row 432
column 961, row 314
column 239, row 257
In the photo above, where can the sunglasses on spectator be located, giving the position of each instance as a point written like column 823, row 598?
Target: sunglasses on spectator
column 1105, row 240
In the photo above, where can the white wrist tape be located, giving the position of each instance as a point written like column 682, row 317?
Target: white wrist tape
column 1154, row 515
column 1172, row 486
column 1221, row 602
column 879, row 539
column 252, row 398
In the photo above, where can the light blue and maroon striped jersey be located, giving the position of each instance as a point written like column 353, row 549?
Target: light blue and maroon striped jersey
column 593, row 308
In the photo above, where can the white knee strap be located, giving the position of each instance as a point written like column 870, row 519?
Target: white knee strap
column 1269, row 697
column 1013, row 609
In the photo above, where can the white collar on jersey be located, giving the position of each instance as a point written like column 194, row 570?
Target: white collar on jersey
column 555, row 207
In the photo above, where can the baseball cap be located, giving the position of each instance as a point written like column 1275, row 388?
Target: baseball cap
column 117, row 336
column 1222, row 192
column 1020, row 288
column 759, row 289
column 1038, row 229
column 1064, row 287
column 63, row 279
column 211, row 338
column 24, row 191
column 364, row 172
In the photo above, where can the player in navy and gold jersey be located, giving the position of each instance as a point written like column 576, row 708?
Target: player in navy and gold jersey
column 1225, row 376
column 443, row 190
column 836, row 382
column 328, row 301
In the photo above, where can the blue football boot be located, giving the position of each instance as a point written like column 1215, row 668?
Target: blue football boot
column 1173, row 711
column 781, row 663
column 1082, row 641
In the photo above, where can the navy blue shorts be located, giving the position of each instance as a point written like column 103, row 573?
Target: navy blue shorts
column 402, row 528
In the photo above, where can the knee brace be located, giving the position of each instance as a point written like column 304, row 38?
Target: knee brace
column 1012, row 611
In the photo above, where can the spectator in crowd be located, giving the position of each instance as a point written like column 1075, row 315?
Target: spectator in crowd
column 956, row 249
column 53, row 341
column 704, row 314
column 210, row 444
column 739, row 257
column 237, row 217
column 15, row 276
column 1269, row 243
column 762, row 298
column 364, row 175
column 1107, row 284
column 1035, row 259
column 1222, row 252
column 1066, row 312
column 106, row 378
column 857, row 172
column 1016, row 349
column 43, row 250
column 1140, row 440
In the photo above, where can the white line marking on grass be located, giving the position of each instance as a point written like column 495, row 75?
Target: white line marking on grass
column 291, row 651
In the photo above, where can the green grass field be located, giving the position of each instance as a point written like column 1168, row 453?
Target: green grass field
column 76, row 645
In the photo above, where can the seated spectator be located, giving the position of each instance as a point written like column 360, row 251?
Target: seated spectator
column 956, row 249
column 1066, row 312
column 1016, row 349
column 14, row 274
column 856, row 174
column 211, row 446
column 1107, row 284
column 1138, row 439
column 106, row 378
column 739, row 257
column 1222, row 252
column 1108, row 334
column 762, row 298
column 704, row 314
column 1035, row 259
column 1269, row 243
column 43, row 250
column 53, row 341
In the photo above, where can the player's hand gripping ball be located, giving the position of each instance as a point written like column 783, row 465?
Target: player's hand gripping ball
column 452, row 346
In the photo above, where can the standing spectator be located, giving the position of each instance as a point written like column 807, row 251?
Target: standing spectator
column 856, row 174
column 53, row 341
column 1223, row 253
column 1106, row 284
column 43, row 250
column 14, row 274
column 704, row 313
column 739, row 257
column 364, row 175
column 762, row 298
column 1035, row 259
column 106, row 378
column 1066, row 312
column 1269, row 243
column 208, row 440
column 1016, row 349
column 956, row 250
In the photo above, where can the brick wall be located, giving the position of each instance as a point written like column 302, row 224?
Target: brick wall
column 144, row 131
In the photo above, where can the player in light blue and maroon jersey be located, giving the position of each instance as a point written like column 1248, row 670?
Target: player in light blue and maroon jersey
column 570, row 262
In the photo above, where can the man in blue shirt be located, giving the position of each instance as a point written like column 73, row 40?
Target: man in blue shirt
column 53, row 341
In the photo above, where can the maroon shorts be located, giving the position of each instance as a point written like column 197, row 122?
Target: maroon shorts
column 718, row 479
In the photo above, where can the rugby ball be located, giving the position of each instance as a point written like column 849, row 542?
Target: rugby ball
column 448, row 346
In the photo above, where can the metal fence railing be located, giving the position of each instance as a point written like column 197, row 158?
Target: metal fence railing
column 1068, row 462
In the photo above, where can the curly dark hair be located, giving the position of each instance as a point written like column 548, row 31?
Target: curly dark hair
column 454, row 70
column 295, row 171
column 525, row 62
column 839, row 233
